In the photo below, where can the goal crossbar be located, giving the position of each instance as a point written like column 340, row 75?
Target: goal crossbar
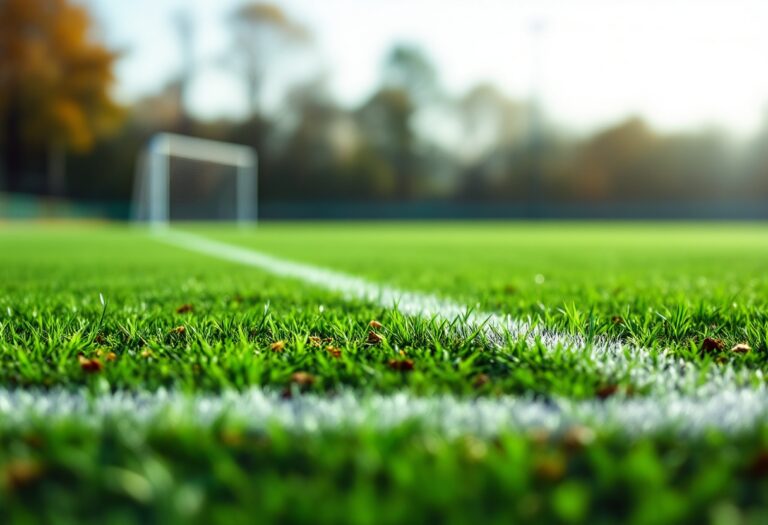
column 152, row 190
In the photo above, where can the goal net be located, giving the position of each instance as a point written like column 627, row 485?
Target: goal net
column 181, row 178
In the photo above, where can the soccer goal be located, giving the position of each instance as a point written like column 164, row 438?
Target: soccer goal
column 188, row 178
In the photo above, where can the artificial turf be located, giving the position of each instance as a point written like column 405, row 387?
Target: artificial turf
column 110, row 308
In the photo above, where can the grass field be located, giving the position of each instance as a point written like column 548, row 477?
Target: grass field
column 546, row 373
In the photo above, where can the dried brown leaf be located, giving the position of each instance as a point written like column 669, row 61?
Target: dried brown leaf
column 88, row 365
column 710, row 344
column 606, row 391
column 401, row 365
column 302, row 378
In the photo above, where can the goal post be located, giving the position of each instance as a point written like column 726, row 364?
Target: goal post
column 152, row 187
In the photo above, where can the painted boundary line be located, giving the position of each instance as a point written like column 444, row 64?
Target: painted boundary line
column 730, row 411
column 683, row 400
column 660, row 372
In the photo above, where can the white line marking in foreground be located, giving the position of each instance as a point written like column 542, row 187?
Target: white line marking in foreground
column 661, row 372
column 730, row 411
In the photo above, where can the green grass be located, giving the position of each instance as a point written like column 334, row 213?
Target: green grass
column 671, row 283
column 660, row 286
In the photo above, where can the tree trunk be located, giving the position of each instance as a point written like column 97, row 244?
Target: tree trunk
column 57, row 158
column 13, row 154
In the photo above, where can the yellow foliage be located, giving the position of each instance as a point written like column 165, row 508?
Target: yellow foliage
column 53, row 75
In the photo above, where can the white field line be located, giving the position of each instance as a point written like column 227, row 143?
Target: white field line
column 730, row 411
column 660, row 372
column 678, row 403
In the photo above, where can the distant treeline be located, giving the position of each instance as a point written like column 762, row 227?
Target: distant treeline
column 410, row 141
column 321, row 152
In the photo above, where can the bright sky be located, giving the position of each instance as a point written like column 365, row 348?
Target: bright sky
column 680, row 63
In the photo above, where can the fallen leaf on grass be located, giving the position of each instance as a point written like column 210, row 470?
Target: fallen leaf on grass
column 481, row 380
column 606, row 391
column 277, row 346
column 741, row 348
column 335, row 352
column 184, row 308
column 90, row 366
column 710, row 344
column 376, row 325
column 179, row 330
column 302, row 378
column 374, row 338
column 401, row 365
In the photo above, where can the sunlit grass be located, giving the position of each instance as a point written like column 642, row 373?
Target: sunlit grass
column 110, row 309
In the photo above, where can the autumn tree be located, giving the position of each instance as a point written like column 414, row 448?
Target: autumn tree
column 55, row 85
column 261, row 32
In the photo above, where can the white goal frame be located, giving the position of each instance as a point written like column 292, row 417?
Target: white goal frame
column 151, row 201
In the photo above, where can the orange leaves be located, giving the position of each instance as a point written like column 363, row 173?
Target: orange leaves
column 109, row 356
column 94, row 365
column 184, row 308
column 277, row 346
column 60, row 82
column 89, row 365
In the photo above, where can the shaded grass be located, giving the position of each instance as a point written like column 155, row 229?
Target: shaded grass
column 224, row 474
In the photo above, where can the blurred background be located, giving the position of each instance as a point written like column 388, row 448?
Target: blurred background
column 394, row 108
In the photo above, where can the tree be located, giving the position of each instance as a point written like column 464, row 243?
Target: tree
column 385, row 121
column 185, row 32
column 407, row 68
column 261, row 31
column 54, row 84
column 389, row 119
